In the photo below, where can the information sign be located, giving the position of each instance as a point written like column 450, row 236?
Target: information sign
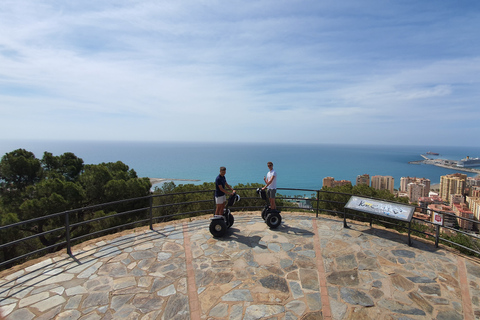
column 381, row 208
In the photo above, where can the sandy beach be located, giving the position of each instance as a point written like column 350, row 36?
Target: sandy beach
column 154, row 181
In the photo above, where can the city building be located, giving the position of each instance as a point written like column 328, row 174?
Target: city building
column 330, row 182
column 474, row 191
column 449, row 219
column 363, row 179
column 424, row 202
column 405, row 181
column 473, row 181
column 452, row 184
column 416, row 190
column 474, row 205
column 462, row 210
column 456, row 199
column 383, row 183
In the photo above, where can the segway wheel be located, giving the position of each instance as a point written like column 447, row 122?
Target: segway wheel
column 218, row 227
column 273, row 220
column 231, row 220
column 264, row 213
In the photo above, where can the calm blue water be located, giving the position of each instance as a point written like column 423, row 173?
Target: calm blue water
column 298, row 166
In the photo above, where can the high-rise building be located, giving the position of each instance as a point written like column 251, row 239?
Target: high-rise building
column 383, row 183
column 461, row 210
column 452, row 184
column 363, row 179
column 405, row 181
column 473, row 181
column 330, row 182
column 416, row 191
column 474, row 205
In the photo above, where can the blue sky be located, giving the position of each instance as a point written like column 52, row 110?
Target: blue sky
column 347, row 72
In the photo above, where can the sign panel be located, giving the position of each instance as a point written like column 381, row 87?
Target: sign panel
column 381, row 208
column 437, row 218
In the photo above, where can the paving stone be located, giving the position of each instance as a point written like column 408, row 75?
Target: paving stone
column 401, row 283
column 49, row 303
column 39, row 265
column 5, row 310
column 432, row 289
column 449, row 315
column 238, row 295
column 309, row 279
column 298, row 307
column 344, row 278
column 73, row 302
column 296, row 289
column 168, row 291
column 96, row 299
column 421, row 280
column 256, row 312
column 356, row 297
column 399, row 307
column 274, row 283
column 404, row 253
column 177, row 307
column 33, row 299
column 421, row 302
column 147, row 302
column 316, row 315
column 21, row 314
column 219, row 311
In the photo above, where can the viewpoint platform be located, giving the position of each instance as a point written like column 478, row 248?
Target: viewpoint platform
column 308, row 268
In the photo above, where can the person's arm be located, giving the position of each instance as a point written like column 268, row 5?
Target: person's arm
column 269, row 182
column 225, row 191
column 229, row 186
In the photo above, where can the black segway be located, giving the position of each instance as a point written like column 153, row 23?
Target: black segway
column 220, row 223
column 272, row 217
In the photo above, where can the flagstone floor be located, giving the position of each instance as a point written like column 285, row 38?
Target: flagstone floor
column 308, row 268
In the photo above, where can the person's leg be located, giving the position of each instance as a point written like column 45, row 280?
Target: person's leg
column 273, row 206
column 220, row 205
column 271, row 198
column 219, row 211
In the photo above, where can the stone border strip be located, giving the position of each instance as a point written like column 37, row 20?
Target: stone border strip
column 191, row 286
column 326, row 310
column 466, row 300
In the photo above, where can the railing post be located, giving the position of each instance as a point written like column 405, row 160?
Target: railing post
column 409, row 230
column 214, row 204
column 318, row 201
column 150, row 212
column 67, row 233
column 437, row 236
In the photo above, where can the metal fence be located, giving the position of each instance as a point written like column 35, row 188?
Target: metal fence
column 163, row 207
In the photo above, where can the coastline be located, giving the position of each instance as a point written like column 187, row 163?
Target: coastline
column 154, row 181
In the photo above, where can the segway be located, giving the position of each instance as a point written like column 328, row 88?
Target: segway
column 271, row 217
column 220, row 223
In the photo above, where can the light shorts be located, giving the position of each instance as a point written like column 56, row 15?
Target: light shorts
column 271, row 193
column 221, row 199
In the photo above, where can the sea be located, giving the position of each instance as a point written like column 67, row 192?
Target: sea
column 298, row 166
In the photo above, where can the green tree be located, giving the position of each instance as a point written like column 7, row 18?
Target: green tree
column 67, row 165
column 18, row 170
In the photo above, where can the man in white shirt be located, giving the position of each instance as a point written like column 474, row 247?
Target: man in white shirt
column 271, row 185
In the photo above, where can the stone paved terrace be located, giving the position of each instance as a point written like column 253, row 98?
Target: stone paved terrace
column 308, row 268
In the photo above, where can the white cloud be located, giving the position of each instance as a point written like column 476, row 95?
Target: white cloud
column 119, row 69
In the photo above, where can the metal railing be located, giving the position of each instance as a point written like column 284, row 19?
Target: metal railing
column 157, row 207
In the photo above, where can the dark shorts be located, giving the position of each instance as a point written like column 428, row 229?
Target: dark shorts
column 271, row 193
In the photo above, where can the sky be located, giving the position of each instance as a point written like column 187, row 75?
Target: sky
column 344, row 72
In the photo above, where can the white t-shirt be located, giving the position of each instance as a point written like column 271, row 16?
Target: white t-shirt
column 270, row 174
